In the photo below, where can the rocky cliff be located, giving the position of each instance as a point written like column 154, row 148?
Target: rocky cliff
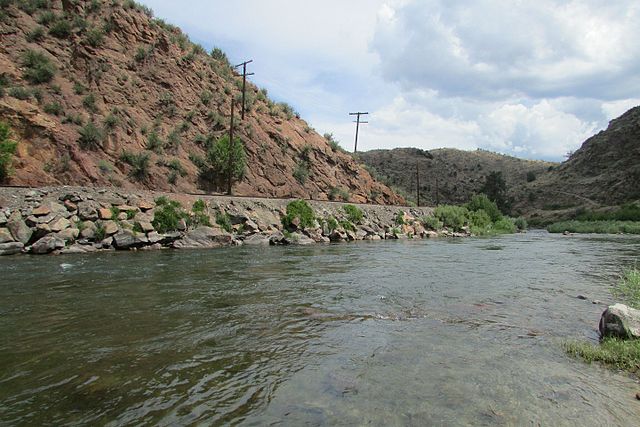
column 99, row 93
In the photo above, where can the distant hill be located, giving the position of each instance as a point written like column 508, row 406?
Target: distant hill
column 449, row 176
column 84, row 82
column 604, row 172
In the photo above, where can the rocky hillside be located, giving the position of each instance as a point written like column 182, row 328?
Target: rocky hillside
column 604, row 172
column 450, row 176
column 100, row 93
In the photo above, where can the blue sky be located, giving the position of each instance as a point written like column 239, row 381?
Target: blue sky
column 528, row 78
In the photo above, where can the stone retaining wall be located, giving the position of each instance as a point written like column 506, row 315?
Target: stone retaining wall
column 80, row 220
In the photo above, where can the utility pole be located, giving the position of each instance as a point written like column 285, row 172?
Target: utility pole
column 418, row 183
column 244, row 81
column 357, row 122
column 231, row 144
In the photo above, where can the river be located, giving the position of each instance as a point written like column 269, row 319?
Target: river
column 443, row 332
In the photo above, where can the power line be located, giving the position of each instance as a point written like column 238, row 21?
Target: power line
column 357, row 122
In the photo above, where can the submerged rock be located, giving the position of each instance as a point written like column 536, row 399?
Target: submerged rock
column 620, row 321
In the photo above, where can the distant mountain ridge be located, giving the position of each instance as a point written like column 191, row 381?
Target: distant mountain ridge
column 449, row 176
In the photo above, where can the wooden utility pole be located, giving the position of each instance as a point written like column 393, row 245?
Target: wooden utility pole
column 230, row 160
column 244, row 81
column 417, row 183
column 357, row 122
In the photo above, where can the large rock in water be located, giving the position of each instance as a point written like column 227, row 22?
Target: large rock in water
column 204, row 237
column 620, row 321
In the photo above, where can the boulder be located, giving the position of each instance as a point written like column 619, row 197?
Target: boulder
column 3, row 218
column 59, row 224
column 127, row 239
column 19, row 230
column 145, row 226
column 5, row 236
column 338, row 236
column 68, row 234
column 110, row 227
column 42, row 210
column 11, row 248
column 71, row 207
column 299, row 239
column 256, row 240
column 47, row 244
column 277, row 238
column 250, row 227
column 88, row 210
column 104, row 213
column 620, row 321
column 78, row 249
column 145, row 205
column 204, row 237
column 88, row 230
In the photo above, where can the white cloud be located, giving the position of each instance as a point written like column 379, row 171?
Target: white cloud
column 492, row 49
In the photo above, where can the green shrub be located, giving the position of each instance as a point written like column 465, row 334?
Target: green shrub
column 199, row 216
column 531, row 176
column 141, row 54
column 299, row 209
column 219, row 55
column 354, row 214
column 95, row 37
column 47, row 17
column 521, row 224
column 8, row 148
column 110, row 122
column 398, row 219
column 482, row 202
column 301, row 172
column 35, row 35
column 105, row 166
column 479, row 218
column 61, row 29
column 454, row 217
column 89, row 102
column 333, row 143
column 168, row 214
column 224, row 221
column 78, row 88
column 432, row 223
column 53, row 108
column 332, row 223
column 90, row 137
column 139, row 164
column 347, row 226
column 338, row 193
column 38, row 67
column 154, row 142
column 173, row 139
column 504, row 226
column 99, row 233
column 21, row 93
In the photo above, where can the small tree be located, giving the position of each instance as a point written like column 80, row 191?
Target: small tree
column 7, row 150
column 495, row 187
column 218, row 167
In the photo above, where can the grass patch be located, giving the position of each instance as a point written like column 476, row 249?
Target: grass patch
column 301, row 210
column 628, row 288
column 613, row 352
column 354, row 214
column 90, row 137
column 7, row 150
column 597, row 227
column 167, row 215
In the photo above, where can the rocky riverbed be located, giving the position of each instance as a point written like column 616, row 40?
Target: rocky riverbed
column 79, row 219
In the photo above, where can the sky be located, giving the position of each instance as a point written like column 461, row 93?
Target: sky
column 532, row 79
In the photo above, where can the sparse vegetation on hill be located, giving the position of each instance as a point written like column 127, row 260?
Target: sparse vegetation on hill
column 107, row 76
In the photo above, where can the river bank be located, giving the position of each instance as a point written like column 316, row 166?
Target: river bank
column 80, row 219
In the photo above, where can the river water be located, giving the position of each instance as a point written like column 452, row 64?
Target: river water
column 444, row 332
